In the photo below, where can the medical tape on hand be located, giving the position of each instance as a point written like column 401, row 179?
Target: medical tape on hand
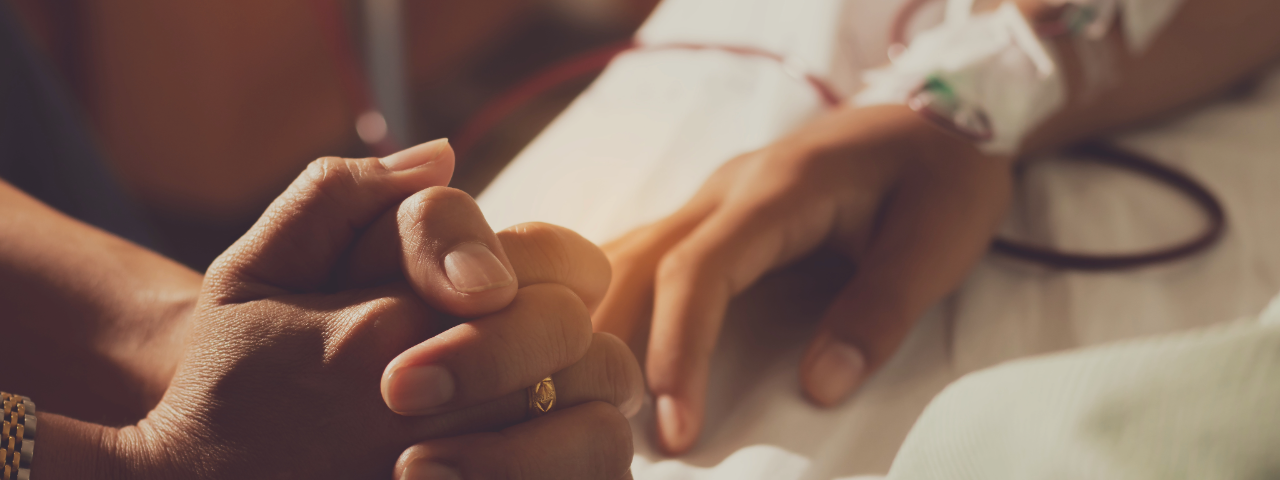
column 989, row 77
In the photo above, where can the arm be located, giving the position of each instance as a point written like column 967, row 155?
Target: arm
column 1208, row 47
column 280, row 375
column 102, row 320
column 913, row 206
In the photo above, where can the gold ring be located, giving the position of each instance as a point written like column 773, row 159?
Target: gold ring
column 542, row 398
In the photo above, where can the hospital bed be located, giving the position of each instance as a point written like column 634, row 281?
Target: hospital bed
column 643, row 137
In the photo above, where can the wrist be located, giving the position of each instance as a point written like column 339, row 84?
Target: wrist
column 895, row 131
column 925, row 138
column 162, row 348
column 147, row 343
column 72, row 449
column 139, row 452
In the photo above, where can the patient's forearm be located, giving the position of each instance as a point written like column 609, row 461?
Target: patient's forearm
column 98, row 321
column 1209, row 46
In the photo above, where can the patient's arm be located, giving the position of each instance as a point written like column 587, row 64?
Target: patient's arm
column 914, row 207
column 92, row 319
column 1209, row 46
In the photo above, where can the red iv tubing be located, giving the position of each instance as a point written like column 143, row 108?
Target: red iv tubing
column 356, row 84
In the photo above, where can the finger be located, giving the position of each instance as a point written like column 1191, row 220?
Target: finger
column 544, row 253
column 728, row 252
column 439, row 241
column 296, row 243
column 377, row 257
column 451, row 256
column 934, row 231
column 380, row 322
column 536, row 252
column 627, row 307
column 591, row 441
column 545, row 329
column 607, row 373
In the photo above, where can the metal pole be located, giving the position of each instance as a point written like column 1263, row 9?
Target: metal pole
column 384, row 41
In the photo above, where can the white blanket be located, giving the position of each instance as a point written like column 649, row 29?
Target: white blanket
column 638, row 143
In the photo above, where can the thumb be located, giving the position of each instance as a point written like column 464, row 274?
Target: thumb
column 858, row 335
column 297, row 242
column 934, row 231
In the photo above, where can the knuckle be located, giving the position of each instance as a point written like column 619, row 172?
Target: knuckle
column 430, row 206
column 538, row 232
column 426, row 204
column 542, row 246
column 382, row 326
column 789, row 167
column 357, row 321
column 373, row 312
column 555, row 333
column 547, row 253
column 328, row 173
column 412, row 213
column 519, row 467
column 773, row 203
column 779, row 178
column 806, row 165
column 567, row 323
column 613, row 439
column 682, row 264
column 328, row 180
column 620, row 371
column 598, row 445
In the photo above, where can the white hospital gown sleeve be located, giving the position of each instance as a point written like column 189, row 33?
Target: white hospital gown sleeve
column 1198, row 405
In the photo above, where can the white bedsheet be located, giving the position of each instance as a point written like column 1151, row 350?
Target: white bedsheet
column 639, row 142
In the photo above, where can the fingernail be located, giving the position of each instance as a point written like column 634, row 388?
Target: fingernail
column 632, row 405
column 428, row 470
column 836, row 372
column 416, row 156
column 473, row 268
column 673, row 425
column 414, row 389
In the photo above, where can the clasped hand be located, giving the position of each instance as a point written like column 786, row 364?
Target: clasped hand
column 372, row 325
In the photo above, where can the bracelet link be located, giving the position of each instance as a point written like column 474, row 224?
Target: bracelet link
column 17, row 440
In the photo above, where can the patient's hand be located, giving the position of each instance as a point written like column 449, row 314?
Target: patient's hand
column 912, row 206
column 326, row 343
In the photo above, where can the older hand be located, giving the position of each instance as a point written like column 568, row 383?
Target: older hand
column 306, row 333
column 913, row 207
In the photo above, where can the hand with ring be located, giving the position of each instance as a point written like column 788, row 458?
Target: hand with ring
column 329, row 342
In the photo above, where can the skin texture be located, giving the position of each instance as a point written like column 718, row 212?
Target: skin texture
column 915, row 219
column 913, row 208
column 1191, row 51
column 284, row 370
column 108, row 317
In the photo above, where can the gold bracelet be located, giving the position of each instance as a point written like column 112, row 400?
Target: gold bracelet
column 18, row 439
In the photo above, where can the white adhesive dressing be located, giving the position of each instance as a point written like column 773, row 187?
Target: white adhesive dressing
column 992, row 60
column 994, row 63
